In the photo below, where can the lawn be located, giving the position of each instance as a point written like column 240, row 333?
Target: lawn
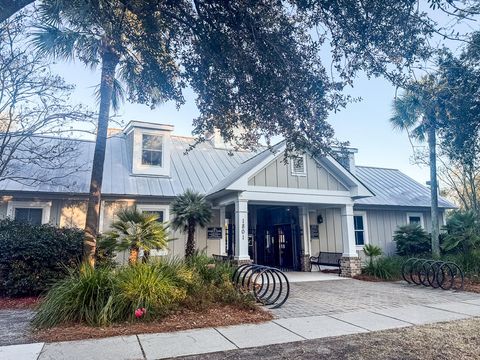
column 459, row 340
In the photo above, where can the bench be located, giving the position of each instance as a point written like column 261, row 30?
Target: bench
column 326, row 259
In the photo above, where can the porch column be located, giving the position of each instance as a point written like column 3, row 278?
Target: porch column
column 306, row 244
column 350, row 263
column 222, row 224
column 241, row 231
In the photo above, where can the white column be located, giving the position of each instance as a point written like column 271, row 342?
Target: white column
column 221, row 251
column 348, row 232
column 305, row 223
column 241, row 229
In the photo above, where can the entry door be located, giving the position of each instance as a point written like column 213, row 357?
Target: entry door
column 283, row 245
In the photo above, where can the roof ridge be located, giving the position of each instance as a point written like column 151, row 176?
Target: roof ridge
column 376, row 167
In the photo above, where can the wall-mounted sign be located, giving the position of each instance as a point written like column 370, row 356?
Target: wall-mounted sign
column 214, row 233
column 314, row 232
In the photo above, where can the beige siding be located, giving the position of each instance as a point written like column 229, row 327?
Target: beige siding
column 330, row 231
column 381, row 224
column 73, row 213
column 278, row 174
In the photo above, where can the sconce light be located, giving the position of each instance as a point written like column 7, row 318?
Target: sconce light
column 320, row 219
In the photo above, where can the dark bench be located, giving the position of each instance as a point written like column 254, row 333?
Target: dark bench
column 326, row 259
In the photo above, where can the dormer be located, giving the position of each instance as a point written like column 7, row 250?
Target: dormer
column 150, row 147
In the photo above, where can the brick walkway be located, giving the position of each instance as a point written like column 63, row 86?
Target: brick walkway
column 338, row 296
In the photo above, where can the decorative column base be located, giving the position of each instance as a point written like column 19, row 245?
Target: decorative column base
column 350, row 266
column 305, row 263
column 239, row 262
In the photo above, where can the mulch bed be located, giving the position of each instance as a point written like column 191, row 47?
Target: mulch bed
column 370, row 278
column 7, row 303
column 182, row 320
column 472, row 286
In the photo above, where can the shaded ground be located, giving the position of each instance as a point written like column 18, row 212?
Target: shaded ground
column 15, row 326
column 459, row 340
column 212, row 317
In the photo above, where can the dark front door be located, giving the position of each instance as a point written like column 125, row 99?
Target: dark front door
column 283, row 240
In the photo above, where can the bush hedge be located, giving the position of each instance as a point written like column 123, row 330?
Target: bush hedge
column 33, row 257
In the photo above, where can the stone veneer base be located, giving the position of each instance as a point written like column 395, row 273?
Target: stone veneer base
column 350, row 266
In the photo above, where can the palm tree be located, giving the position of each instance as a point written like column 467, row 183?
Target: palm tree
column 106, row 33
column 372, row 251
column 189, row 210
column 417, row 112
column 135, row 230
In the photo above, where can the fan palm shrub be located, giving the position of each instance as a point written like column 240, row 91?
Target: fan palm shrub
column 462, row 233
column 411, row 239
column 372, row 251
column 135, row 230
column 190, row 210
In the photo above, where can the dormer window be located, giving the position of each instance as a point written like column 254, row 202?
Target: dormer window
column 150, row 145
column 152, row 150
column 299, row 166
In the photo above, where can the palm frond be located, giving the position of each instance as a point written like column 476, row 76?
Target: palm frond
column 118, row 95
column 50, row 40
column 406, row 111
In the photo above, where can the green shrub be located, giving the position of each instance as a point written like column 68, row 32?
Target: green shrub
column 33, row 257
column 149, row 286
column 412, row 240
column 87, row 296
column 462, row 233
column 105, row 295
column 386, row 268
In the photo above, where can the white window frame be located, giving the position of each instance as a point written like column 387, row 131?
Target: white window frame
column 166, row 218
column 416, row 214
column 292, row 166
column 44, row 205
column 162, row 150
column 137, row 166
column 363, row 214
column 155, row 207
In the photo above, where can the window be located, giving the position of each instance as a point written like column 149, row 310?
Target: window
column 158, row 213
column 160, row 210
column 152, row 150
column 299, row 167
column 360, row 227
column 35, row 212
column 415, row 218
column 29, row 215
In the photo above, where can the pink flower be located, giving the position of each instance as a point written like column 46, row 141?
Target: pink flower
column 140, row 312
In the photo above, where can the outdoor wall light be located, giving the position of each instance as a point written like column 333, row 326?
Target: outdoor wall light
column 320, row 219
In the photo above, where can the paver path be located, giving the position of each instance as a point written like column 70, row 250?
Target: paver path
column 338, row 296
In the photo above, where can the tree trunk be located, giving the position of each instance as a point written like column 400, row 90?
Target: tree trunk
column 109, row 64
column 10, row 7
column 133, row 257
column 190, row 247
column 435, row 231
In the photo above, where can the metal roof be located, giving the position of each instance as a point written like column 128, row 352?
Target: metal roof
column 205, row 169
column 393, row 188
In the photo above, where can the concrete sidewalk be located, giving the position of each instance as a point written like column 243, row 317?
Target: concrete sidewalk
column 202, row 341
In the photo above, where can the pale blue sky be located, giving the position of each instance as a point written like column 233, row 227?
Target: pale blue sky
column 364, row 124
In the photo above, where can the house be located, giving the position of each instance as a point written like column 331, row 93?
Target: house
column 266, row 209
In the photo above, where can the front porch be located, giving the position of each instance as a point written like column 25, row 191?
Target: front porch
column 285, row 235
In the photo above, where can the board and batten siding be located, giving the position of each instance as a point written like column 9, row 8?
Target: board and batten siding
column 381, row 224
column 330, row 231
column 279, row 174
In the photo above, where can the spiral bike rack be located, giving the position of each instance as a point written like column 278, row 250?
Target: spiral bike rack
column 268, row 285
column 434, row 273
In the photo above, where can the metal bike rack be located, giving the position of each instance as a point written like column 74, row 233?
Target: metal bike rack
column 268, row 285
column 435, row 273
